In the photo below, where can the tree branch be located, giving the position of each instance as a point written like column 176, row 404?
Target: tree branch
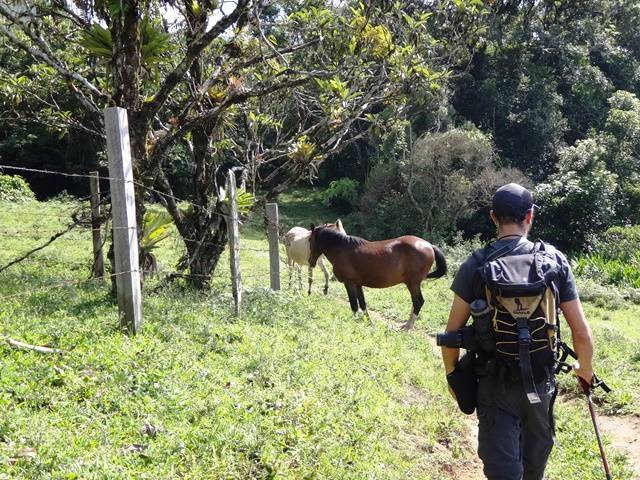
column 166, row 141
column 60, row 68
column 204, row 88
column 193, row 50
column 70, row 14
column 45, row 53
column 34, row 348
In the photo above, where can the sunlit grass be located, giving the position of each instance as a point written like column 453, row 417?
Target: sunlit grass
column 294, row 387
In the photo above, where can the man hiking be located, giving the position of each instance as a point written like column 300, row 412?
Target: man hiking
column 523, row 283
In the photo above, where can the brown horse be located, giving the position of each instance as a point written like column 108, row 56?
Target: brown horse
column 359, row 263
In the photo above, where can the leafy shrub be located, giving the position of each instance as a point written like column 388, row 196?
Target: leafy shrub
column 617, row 261
column 600, row 295
column 457, row 251
column 244, row 200
column 385, row 211
column 342, row 194
column 609, row 271
column 578, row 201
column 451, row 174
column 447, row 178
column 621, row 243
column 14, row 188
column 156, row 227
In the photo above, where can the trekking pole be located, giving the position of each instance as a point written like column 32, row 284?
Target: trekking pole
column 586, row 388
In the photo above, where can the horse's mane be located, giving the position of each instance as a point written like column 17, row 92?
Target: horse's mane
column 330, row 238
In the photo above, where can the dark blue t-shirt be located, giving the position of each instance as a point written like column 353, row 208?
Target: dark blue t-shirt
column 463, row 282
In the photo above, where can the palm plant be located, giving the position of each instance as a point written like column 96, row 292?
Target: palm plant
column 155, row 228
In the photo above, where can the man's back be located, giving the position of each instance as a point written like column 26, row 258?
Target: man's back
column 465, row 283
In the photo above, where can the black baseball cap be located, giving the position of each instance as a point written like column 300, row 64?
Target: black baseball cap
column 512, row 200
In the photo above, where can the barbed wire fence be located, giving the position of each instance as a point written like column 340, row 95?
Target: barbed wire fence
column 97, row 215
column 81, row 222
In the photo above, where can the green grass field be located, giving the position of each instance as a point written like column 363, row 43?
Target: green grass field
column 295, row 387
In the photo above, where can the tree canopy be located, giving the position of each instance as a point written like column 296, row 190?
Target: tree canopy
column 293, row 90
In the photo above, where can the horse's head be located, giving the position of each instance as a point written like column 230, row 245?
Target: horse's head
column 315, row 247
column 323, row 237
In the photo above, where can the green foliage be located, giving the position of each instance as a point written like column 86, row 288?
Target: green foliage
column 445, row 180
column 97, row 40
column 609, row 271
column 578, row 201
column 14, row 188
column 620, row 139
column 154, row 42
column 342, row 194
column 155, row 228
column 384, row 210
column 457, row 250
column 617, row 261
column 450, row 175
column 304, row 151
column 591, row 290
column 374, row 39
column 245, row 201
column 621, row 243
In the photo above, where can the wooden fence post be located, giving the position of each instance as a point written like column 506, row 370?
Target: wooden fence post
column 123, row 211
column 274, row 244
column 234, row 242
column 98, row 261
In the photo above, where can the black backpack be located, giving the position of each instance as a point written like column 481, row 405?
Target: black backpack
column 521, row 289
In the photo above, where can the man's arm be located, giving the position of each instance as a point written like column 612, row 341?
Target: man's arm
column 458, row 317
column 582, row 337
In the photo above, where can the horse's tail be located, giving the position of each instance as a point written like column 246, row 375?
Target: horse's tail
column 441, row 264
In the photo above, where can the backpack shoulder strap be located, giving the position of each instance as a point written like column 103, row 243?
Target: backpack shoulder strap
column 480, row 256
column 551, row 250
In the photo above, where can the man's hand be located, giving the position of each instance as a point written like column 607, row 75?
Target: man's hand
column 447, row 370
column 585, row 373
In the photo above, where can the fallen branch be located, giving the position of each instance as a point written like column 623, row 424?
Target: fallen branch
column 31, row 252
column 35, row 348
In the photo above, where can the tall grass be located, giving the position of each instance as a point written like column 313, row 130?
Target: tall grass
column 611, row 274
column 609, row 271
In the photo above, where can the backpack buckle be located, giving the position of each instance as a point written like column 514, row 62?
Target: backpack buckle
column 524, row 336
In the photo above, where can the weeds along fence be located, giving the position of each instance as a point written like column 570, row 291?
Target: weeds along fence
column 63, row 244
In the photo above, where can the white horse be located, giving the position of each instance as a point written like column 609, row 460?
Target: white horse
column 296, row 243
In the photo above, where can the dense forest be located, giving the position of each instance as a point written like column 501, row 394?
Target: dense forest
column 408, row 114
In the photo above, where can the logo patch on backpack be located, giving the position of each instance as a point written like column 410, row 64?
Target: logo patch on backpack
column 520, row 307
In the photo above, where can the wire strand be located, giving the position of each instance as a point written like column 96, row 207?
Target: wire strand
column 102, row 177
column 65, row 283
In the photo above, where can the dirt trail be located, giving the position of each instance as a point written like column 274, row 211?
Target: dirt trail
column 624, row 432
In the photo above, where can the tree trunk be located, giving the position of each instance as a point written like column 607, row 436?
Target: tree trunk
column 204, row 248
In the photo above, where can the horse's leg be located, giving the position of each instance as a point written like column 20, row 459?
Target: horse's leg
column 291, row 266
column 300, row 278
column 325, row 270
column 352, row 291
column 310, row 279
column 363, row 305
column 417, row 300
